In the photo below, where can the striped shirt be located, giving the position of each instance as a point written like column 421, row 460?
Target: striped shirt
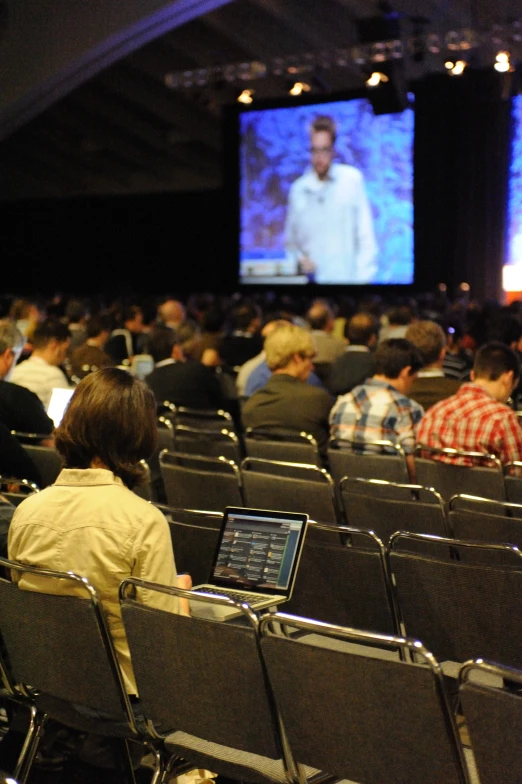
column 473, row 421
column 376, row 411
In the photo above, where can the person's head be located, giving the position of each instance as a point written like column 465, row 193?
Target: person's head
column 164, row 344
column 397, row 361
column 400, row 316
column 497, row 369
column 362, row 330
column 246, row 318
column 290, row 349
column 507, row 329
column 51, row 340
column 133, row 319
column 171, row 312
column 429, row 340
column 320, row 316
column 323, row 134
column 76, row 311
column 99, row 328
column 11, row 345
column 271, row 326
column 110, row 422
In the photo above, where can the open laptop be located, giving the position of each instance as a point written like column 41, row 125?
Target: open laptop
column 255, row 561
column 58, row 404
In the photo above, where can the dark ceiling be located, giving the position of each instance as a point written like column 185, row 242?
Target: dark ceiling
column 125, row 132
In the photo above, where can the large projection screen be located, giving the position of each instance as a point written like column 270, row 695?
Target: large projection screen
column 514, row 227
column 350, row 225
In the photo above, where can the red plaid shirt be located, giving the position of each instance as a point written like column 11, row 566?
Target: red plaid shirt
column 472, row 421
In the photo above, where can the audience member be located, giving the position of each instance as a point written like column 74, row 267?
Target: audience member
column 91, row 355
column 431, row 385
column 190, row 384
column 286, row 402
column 244, row 341
column 398, row 319
column 127, row 341
column 250, row 365
column 20, row 409
column 172, row 314
column 358, row 361
column 476, row 418
column 41, row 372
column 458, row 360
column 327, row 346
column 76, row 315
column 379, row 409
column 14, row 460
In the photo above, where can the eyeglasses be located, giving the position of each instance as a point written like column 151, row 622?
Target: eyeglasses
column 321, row 150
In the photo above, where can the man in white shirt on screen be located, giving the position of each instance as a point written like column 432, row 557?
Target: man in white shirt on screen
column 329, row 228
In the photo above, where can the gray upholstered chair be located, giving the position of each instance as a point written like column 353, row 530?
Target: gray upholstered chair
column 385, row 460
column 487, row 521
column 209, row 442
column 194, row 482
column 15, row 490
column 286, row 445
column 479, row 474
column 47, row 461
column 194, row 537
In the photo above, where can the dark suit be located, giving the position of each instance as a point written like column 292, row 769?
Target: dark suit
column 350, row 370
column 21, row 409
column 189, row 384
column 286, row 402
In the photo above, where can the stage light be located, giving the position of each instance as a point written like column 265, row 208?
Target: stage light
column 245, row 96
column 376, row 79
column 298, row 88
column 502, row 62
column 455, row 67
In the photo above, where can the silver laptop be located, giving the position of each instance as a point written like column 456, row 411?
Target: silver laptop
column 255, row 561
column 58, row 403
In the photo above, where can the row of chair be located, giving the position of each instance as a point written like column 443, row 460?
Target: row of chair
column 252, row 700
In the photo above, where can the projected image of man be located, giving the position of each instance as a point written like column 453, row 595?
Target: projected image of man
column 329, row 228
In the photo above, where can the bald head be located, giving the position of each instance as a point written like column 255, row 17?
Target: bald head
column 362, row 330
column 320, row 316
column 271, row 326
column 172, row 313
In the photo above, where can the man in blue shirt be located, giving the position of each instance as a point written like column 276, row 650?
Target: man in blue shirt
column 329, row 229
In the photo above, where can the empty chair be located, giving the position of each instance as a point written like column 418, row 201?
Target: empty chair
column 212, row 688
column 345, row 458
column 288, row 446
column 204, row 419
column 493, row 717
column 289, row 487
column 194, row 536
column 210, row 443
column 488, row 521
column 15, row 490
column 513, row 481
column 165, row 433
column 460, row 608
column 358, row 717
column 47, row 461
column 343, row 584
column 386, row 507
column 193, row 482
column 480, row 474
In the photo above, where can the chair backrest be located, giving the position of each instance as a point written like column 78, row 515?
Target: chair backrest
column 145, row 488
column 476, row 474
column 15, row 490
column 343, row 583
column 386, row 507
column 47, row 461
column 346, row 459
column 460, row 609
column 209, row 443
column 288, row 446
column 193, row 482
column 513, row 481
column 194, row 537
column 212, row 683
column 358, row 717
column 494, row 720
column 63, row 648
column 165, row 433
column 487, row 521
column 289, row 487
column 204, row 419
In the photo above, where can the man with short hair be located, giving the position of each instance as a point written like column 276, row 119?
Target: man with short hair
column 329, row 229
column 127, row 341
column 327, row 345
column 357, row 363
column 244, row 341
column 41, row 372
column 476, row 418
column 91, row 355
column 246, row 370
column 431, row 385
column 380, row 409
column 286, row 401
column 189, row 384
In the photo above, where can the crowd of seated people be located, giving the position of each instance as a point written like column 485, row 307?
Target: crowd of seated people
column 388, row 378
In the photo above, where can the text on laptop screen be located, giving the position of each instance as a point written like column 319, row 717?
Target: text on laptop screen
column 258, row 553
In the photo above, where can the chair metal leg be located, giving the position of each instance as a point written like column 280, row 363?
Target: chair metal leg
column 159, row 765
column 126, row 761
column 30, row 747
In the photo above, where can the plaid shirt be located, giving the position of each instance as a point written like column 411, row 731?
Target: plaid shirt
column 473, row 421
column 376, row 411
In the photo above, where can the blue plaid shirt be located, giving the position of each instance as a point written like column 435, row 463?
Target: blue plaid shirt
column 376, row 411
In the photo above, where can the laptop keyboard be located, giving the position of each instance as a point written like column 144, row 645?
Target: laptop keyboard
column 237, row 595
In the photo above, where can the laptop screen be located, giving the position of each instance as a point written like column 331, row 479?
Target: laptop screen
column 259, row 550
column 58, row 404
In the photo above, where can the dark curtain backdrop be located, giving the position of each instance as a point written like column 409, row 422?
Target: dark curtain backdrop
column 182, row 242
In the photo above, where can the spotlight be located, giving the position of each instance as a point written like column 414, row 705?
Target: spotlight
column 298, row 88
column 502, row 62
column 455, row 67
column 376, row 78
column 246, row 96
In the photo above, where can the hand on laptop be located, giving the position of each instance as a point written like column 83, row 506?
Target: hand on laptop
column 185, row 582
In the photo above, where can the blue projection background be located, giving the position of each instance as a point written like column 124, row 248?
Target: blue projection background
column 274, row 151
column 514, row 238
